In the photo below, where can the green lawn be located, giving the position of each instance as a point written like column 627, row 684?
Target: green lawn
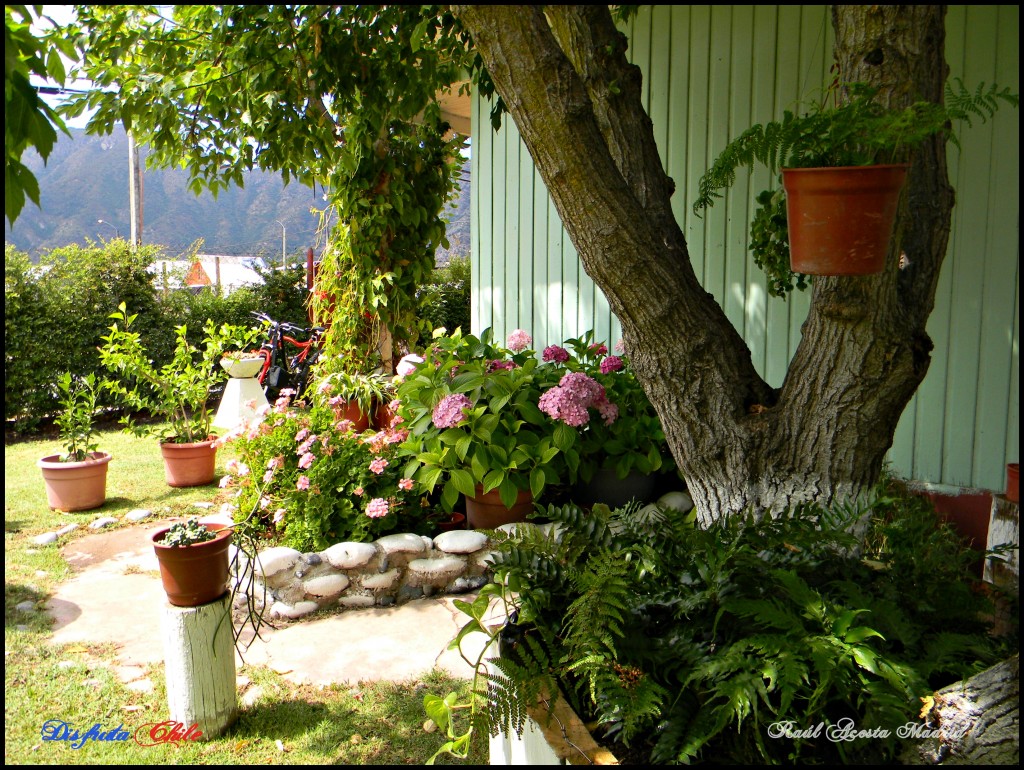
column 374, row 723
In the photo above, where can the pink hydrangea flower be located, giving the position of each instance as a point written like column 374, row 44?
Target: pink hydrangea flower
column 496, row 364
column 571, row 398
column 302, row 484
column 598, row 349
column 611, row 364
column 301, row 435
column 406, row 484
column 620, row 346
column 279, row 515
column 378, row 464
column 519, row 341
column 556, row 354
column 377, row 508
column 306, row 460
column 448, row 413
column 358, row 491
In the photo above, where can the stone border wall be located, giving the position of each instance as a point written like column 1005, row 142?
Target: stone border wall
column 393, row 570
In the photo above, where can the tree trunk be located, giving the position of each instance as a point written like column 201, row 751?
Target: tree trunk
column 973, row 723
column 563, row 74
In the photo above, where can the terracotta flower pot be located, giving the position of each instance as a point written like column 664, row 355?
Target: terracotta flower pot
column 456, row 521
column 189, row 465
column 1013, row 482
column 840, row 219
column 79, row 486
column 195, row 574
column 360, row 420
column 486, row 511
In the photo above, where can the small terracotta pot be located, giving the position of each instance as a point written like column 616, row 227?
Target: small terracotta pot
column 189, row 465
column 195, row 574
column 79, row 486
column 486, row 511
column 1013, row 482
column 456, row 521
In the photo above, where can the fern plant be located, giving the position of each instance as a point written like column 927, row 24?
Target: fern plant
column 733, row 642
column 858, row 132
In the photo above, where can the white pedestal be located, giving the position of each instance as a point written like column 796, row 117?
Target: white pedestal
column 233, row 409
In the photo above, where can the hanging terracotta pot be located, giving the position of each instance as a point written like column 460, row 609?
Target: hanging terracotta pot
column 73, row 486
column 194, row 574
column 1013, row 482
column 189, row 465
column 840, row 219
column 486, row 511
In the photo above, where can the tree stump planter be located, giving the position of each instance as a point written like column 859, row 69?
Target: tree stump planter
column 79, row 486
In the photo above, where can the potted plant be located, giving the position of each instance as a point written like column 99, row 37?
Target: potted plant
column 76, row 479
column 193, row 561
column 241, row 364
column 840, row 188
column 621, row 442
column 176, row 392
column 475, row 427
column 359, row 396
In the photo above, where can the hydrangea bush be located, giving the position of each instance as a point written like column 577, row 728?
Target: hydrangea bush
column 311, row 477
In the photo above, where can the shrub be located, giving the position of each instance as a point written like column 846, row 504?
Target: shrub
column 57, row 312
column 310, row 476
column 445, row 301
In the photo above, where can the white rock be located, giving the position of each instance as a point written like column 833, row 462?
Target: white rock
column 66, row 529
column 460, row 541
column 45, row 539
column 381, row 582
column 680, row 501
column 251, row 695
column 327, row 585
column 203, row 505
column 138, row 514
column 297, row 610
column 355, row 602
column 274, row 560
column 422, row 571
column 349, row 555
column 102, row 523
column 25, row 606
column 405, row 542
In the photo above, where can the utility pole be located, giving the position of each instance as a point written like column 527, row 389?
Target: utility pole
column 134, row 191
column 284, row 252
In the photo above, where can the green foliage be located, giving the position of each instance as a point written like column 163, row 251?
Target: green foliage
column 728, row 642
column 344, row 97
column 444, row 302
column 311, row 476
column 57, row 312
column 186, row 533
column 28, row 120
column 179, row 390
column 78, row 403
column 858, row 132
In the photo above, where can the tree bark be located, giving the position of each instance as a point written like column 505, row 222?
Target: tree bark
column 976, row 722
column 739, row 444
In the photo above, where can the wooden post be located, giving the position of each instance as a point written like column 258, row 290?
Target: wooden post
column 199, row 659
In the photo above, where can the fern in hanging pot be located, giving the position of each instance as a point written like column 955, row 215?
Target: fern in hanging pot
column 839, row 194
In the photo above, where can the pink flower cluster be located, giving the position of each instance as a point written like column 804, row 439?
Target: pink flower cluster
column 573, row 396
column 519, row 341
column 555, row 354
column 377, row 508
column 496, row 364
column 448, row 413
column 611, row 364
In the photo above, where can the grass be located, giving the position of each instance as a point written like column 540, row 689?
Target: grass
column 373, row 723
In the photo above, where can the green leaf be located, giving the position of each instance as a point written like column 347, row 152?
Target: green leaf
column 463, row 481
column 564, row 436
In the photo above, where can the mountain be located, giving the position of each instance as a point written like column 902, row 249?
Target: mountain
column 86, row 180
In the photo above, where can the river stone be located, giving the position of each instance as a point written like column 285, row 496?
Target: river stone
column 356, row 602
column 66, row 529
column 349, row 555
column 463, row 584
column 45, row 539
column 405, row 542
column 381, row 582
column 274, row 560
column 460, row 541
column 327, row 585
column 103, row 522
column 439, row 571
column 297, row 610
column 138, row 514
column 680, row 501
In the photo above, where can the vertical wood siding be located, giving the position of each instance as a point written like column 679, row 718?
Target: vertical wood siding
column 709, row 73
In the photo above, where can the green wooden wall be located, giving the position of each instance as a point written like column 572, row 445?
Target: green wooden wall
column 710, row 72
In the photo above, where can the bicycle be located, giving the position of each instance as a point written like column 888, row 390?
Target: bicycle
column 280, row 371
